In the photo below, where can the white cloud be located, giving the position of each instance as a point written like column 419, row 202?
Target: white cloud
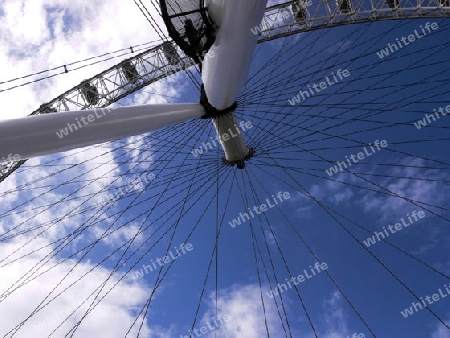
column 330, row 191
column 334, row 316
column 34, row 36
column 243, row 304
column 441, row 332
column 111, row 318
column 389, row 208
column 42, row 34
column 18, row 256
column 384, row 206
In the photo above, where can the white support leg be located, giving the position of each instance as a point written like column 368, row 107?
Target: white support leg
column 224, row 73
column 52, row 133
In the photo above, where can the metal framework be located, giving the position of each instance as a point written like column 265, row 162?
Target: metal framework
column 286, row 19
column 188, row 24
column 305, row 15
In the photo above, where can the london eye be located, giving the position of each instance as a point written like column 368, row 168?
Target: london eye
column 260, row 169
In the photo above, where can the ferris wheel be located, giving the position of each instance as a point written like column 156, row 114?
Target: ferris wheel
column 295, row 185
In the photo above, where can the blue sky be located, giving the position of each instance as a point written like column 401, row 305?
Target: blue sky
column 190, row 198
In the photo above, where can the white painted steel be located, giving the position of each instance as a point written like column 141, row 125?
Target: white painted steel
column 225, row 74
column 233, row 144
column 37, row 135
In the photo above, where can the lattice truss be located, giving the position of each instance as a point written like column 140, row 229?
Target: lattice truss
column 300, row 16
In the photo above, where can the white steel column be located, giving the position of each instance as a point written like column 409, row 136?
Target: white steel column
column 224, row 73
